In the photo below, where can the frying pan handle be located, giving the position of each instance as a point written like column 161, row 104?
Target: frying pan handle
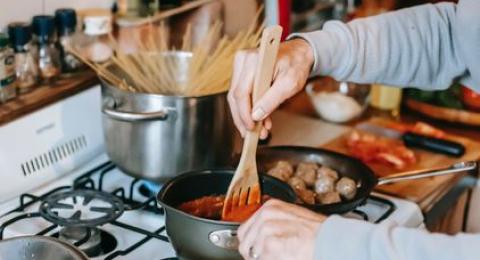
column 225, row 238
column 454, row 169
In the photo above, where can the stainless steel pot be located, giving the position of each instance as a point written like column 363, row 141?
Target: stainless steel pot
column 157, row 137
column 38, row 247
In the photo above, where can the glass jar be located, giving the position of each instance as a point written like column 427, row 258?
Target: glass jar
column 66, row 21
column 47, row 55
column 97, row 45
column 7, row 70
column 25, row 64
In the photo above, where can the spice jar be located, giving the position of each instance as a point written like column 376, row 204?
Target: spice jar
column 66, row 21
column 97, row 29
column 7, row 70
column 47, row 54
column 25, row 65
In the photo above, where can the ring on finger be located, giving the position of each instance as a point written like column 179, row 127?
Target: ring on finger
column 252, row 254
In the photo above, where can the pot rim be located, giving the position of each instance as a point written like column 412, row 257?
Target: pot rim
column 165, row 187
column 123, row 92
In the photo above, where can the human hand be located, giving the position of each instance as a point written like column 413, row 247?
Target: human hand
column 294, row 62
column 279, row 230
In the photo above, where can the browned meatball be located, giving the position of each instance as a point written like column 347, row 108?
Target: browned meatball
column 307, row 172
column 297, row 183
column 347, row 188
column 282, row 170
column 327, row 172
column 329, row 198
column 324, row 185
column 305, row 195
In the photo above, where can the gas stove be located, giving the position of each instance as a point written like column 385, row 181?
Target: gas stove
column 62, row 184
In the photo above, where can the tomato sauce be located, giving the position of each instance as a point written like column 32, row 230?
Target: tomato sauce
column 211, row 207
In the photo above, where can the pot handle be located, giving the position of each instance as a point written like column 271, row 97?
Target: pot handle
column 455, row 168
column 135, row 117
column 226, row 239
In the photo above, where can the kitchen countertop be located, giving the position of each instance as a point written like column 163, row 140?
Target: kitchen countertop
column 44, row 95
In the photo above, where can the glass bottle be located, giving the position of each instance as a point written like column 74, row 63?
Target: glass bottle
column 66, row 21
column 97, row 28
column 8, row 82
column 25, row 64
column 47, row 55
column 386, row 98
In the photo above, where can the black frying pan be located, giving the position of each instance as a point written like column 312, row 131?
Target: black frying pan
column 345, row 166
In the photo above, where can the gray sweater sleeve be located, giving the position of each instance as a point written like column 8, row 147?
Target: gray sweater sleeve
column 345, row 239
column 426, row 46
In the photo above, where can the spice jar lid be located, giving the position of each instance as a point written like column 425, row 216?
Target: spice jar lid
column 66, row 20
column 97, row 25
column 3, row 40
column 43, row 27
column 20, row 34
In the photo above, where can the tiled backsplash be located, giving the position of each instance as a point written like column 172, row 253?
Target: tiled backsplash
column 23, row 10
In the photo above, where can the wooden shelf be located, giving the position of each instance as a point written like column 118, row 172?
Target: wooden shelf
column 127, row 21
column 45, row 95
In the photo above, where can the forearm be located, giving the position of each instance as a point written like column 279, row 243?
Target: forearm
column 340, row 238
column 410, row 47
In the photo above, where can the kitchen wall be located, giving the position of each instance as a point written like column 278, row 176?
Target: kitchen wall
column 23, row 10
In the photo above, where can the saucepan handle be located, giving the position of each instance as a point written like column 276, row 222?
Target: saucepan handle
column 225, row 238
column 112, row 112
column 460, row 167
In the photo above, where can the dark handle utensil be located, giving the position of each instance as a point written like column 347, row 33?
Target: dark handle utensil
column 434, row 144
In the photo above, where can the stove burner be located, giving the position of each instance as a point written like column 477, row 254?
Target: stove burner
column 92, row 241
column 81, row 208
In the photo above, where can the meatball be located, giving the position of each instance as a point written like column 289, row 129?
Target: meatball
column 347, row 188
column 327, row 172
column 307, row 172
column 282, row 170
column 324, row 185
column 305, row 195
column 297, row 183
column 329, row 198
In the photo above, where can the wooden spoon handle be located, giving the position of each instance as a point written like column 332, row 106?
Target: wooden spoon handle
column 268, row 51
column 269, row 45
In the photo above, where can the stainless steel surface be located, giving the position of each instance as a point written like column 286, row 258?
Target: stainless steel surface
column 157, row 137
column 460, row 167
column 224, row 238
column 38, row 247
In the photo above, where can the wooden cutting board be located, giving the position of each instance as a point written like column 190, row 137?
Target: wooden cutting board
column 422, row 189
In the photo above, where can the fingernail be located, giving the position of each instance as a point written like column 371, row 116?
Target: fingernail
column 258, row 114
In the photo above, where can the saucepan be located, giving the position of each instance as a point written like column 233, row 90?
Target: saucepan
column 349, row 167
column 199, row 238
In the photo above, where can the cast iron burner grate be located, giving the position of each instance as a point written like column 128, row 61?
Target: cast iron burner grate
column 81, row 208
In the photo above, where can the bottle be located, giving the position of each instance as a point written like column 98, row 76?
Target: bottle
column 66, row 22
column 97, row 28
column 47, row 55
column 386, row 98
column 25, row 64
column 7, row 70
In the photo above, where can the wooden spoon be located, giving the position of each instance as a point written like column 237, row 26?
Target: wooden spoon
column 244, row 195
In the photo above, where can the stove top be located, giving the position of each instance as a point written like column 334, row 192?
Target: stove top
column 110, row 215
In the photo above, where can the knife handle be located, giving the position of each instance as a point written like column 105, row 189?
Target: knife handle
column 433, row 144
